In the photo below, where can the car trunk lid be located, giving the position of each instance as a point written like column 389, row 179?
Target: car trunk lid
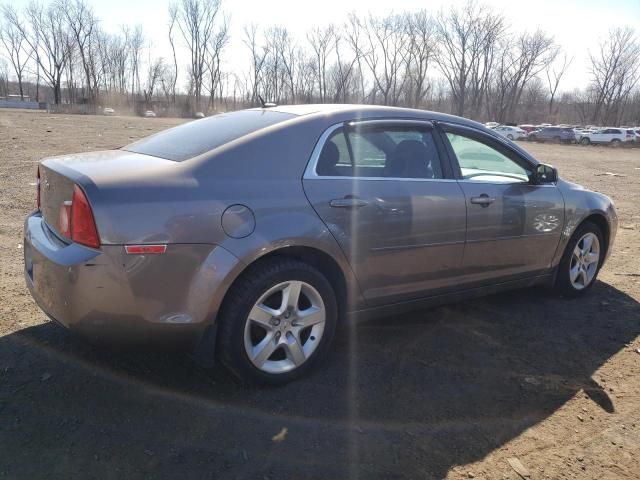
column 90, row 171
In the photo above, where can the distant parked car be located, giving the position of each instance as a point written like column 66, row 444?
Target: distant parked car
column 637, row 139
column 631, row 135
column 580, row 132
column 491, row 124
column 150, row 114
column 199, row 115
column 108, row 111
column 553, row 134
column 512, row 133
column 528, row 127
column 610, row 136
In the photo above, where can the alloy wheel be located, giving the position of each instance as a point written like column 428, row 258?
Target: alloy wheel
column 284, row 327
column 584, row 261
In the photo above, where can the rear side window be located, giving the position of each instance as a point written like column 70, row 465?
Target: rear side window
column 380, row 152
column 199, row 136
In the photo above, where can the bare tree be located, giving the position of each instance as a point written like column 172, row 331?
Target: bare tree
column 49, row 41
column 135, row 44
column 82, row 23
column 275, row 75
column 172, row 80
column 196, row 20
column 554, row 72
column 322, row 41
column 4, row 78
column 422, row 48
column 386, row 55
column 519, row 63
column 215, row 49
column 119, row 53
column 154, row 75
column 354, row 36
column 615, row 70
column 258, row 58
column 291, row 60
column 466, row 35
column 15, row 43
column 344, row 72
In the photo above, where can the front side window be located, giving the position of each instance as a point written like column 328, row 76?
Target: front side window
column 380, row 152
column 481, row 163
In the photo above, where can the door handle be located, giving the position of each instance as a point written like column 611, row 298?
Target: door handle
column 348, row 202
column 483, row 200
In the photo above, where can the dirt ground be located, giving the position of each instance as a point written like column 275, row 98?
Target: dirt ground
column 453, row 392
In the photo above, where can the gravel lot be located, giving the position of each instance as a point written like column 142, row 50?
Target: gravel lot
column 453, row 392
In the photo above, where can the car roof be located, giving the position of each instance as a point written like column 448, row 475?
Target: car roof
column 370, row 111
column 331, row 114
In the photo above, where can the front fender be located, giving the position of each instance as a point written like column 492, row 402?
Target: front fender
column 581, row 204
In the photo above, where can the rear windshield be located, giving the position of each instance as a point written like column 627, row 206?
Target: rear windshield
column 199, row 136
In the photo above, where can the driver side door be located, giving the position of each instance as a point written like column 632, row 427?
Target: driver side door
column 513, row 225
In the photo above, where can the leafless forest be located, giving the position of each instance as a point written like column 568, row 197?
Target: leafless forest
column 467, row 60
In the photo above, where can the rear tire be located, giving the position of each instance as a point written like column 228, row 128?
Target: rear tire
column 615, row 143
column 533, row 138
column 510, row 137
column 271, row 308
column 581, row 261
column 585, row 141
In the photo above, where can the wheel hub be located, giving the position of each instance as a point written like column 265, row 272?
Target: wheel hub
column 281, row 331
column 584, row 265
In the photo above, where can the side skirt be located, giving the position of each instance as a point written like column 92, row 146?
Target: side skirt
column 437, row 300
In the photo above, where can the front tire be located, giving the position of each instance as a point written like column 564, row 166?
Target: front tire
column 581, row 261
column 277, row 322
column 585, row 141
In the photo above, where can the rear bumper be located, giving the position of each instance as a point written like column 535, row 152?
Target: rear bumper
column 108, row 295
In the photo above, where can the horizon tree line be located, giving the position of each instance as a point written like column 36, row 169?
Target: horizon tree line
column 466, row 60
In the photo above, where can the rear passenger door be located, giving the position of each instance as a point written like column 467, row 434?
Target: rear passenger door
column 389, row 198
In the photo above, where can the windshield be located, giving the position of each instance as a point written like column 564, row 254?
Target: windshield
column 200, row 136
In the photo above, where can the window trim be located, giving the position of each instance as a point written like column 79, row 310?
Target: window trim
column 443, row 157
column 489, row 140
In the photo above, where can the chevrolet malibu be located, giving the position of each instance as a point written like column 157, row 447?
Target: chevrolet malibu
column 249, row 236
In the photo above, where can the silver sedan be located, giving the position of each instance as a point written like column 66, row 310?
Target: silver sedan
column 249, row 236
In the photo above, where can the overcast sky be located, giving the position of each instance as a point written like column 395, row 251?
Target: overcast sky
column 577, row 25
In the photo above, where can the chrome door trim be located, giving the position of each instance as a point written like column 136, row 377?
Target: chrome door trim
column 392, row 121
column 310, row 171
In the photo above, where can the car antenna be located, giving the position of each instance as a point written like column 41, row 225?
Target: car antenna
column 266, row 104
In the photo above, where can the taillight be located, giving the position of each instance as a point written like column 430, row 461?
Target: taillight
column 76, row 222
column 83, row 225
column 38, row 188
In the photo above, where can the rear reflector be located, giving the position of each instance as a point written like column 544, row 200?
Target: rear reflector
column 144, row 249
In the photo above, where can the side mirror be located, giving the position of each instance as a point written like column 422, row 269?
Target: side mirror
column 545, row 174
